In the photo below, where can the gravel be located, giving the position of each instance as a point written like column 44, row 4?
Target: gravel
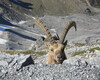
column 22, row 67
column 54, row 72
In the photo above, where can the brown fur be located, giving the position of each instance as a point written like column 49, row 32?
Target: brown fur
column 56, row 54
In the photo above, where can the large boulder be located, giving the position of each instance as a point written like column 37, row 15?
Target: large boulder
column 14, row 62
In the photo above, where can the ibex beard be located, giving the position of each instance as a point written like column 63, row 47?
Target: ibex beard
column 56, row 54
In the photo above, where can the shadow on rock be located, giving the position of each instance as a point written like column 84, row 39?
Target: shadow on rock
column 21, row 35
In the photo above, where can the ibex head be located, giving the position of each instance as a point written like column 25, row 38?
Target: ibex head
column 56, row 54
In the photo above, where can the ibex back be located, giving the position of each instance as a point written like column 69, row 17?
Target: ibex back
column 56, row 54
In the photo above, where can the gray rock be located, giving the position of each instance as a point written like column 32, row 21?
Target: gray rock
column 1, row 10
column 92, row 58
column 3, row 63
column 72, row 69
column 25, row 36
column 56, row 72
column 17, row 60
column 21, row 60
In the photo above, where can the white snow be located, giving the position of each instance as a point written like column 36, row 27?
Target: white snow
column 40, row 35
column 3, row 41
column 30, row 16
column 33, row 18
column 95, row 19
column 22, row 22
column 6, row 26
column 53, row 30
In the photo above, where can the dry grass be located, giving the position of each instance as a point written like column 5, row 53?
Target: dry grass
column 79, row 44
column 78, row 53
column 23, row 52
column 93, row 49
column 82, row 52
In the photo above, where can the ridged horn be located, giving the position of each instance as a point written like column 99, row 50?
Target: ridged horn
column 66, row 29
column 45, row 29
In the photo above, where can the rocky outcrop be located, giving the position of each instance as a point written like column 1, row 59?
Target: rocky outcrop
column 17, row 61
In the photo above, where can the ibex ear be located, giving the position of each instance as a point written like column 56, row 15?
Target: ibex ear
column 65, row 43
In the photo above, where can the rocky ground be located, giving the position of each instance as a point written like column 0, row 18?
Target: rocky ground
column 77, row 67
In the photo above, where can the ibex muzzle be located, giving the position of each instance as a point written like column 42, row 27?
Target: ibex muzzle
column 56, row 54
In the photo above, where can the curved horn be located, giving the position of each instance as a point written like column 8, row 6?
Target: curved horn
column 66, row 29
column 45, row 29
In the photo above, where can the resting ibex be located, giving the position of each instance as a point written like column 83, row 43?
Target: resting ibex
column 56, row 54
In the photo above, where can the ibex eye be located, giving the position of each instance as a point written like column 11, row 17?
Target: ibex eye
column 52, row 50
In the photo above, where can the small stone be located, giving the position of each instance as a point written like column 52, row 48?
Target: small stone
column 3, row 63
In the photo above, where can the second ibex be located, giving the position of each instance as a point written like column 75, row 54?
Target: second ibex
column 56, row 54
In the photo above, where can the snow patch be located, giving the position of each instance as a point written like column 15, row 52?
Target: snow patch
column 40, row 35
column 3, row 41
column 95, row 19
column 6, row 26
column 22, row 22
column 53, row 30
column 33, row 18
column 30, row 16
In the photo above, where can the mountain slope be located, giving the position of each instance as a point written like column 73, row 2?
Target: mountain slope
column 45, row 7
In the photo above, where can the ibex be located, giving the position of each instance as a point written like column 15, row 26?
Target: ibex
column 56, row 54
